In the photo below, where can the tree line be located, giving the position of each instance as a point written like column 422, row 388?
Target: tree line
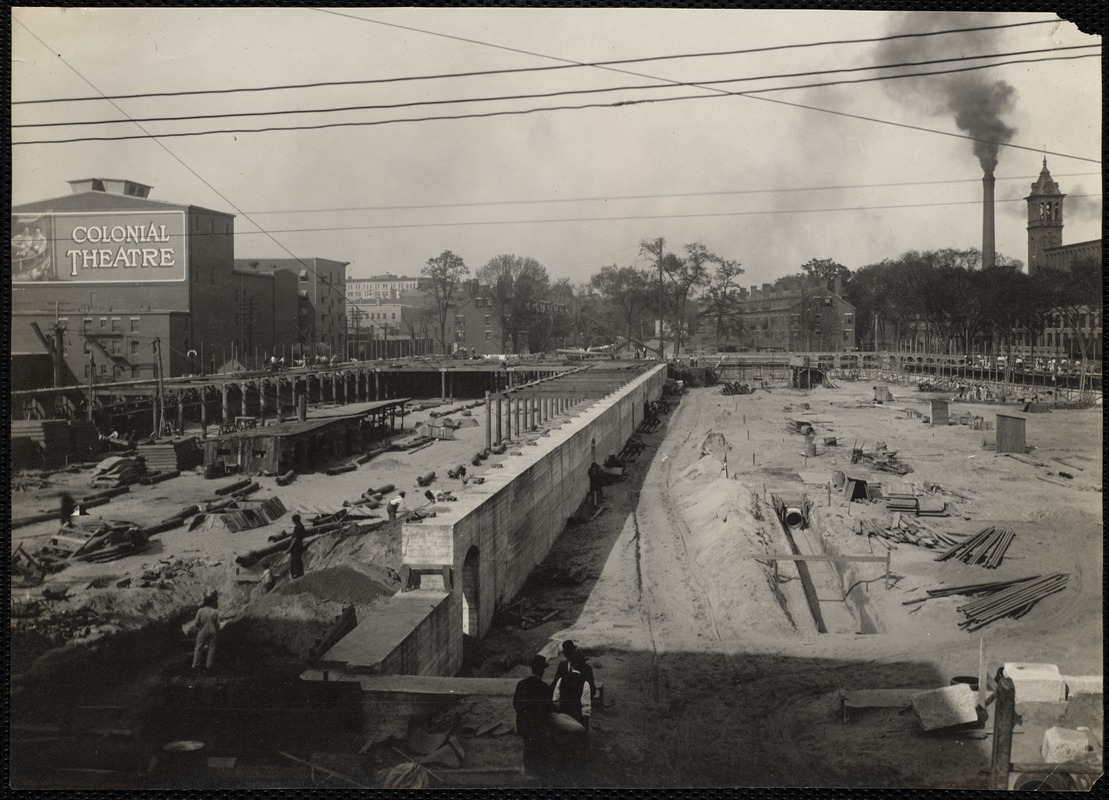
column 938, row 301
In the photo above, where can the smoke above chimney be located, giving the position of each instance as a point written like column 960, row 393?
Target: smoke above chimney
column 976, row 103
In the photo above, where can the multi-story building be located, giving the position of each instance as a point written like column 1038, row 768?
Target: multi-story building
column 131, row 283
column 475, row 327
column 1075, row 329
column 322, row 308
column 382, row 287
column 806, row 319
column 266, row 312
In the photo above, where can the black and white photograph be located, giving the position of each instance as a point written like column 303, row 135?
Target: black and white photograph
column 548, row 397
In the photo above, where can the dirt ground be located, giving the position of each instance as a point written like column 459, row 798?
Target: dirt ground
column 713, row 672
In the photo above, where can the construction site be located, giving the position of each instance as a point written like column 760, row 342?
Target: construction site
column 796, row 572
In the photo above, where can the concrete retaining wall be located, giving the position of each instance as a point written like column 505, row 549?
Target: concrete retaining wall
column 498, row 532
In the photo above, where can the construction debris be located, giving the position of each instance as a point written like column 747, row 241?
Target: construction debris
column 905, row 531
column 116, row 471
column 239, row 514
column 734, row 387
column 985, row 548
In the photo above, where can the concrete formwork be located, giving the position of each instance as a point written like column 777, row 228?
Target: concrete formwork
column 498, row 532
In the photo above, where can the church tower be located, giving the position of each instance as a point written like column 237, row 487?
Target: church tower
column 1045, row 220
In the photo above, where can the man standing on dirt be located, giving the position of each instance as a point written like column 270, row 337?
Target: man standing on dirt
column 395, row 506
column 532, row 703
column 569, row 650
column 573, row 692
column 207, row 630
column 596, row 492
column 296, row 548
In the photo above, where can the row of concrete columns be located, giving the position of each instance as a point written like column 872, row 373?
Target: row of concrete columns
column 342, row 391
column 509, row 413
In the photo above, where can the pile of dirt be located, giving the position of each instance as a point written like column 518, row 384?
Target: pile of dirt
column 728, row 528
column 340, row 584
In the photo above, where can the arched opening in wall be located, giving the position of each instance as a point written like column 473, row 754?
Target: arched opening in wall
column 471, row 593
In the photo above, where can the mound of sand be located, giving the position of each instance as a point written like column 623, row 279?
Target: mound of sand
column 338, row 584
column 728, row 527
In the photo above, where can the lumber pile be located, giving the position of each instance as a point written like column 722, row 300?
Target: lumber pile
column 107, row 542
column 630, row 452
column 804, row 427
column 410, row 443
column 40, row 442
column 905, row 531
column 1014, row 601
column 240, row 514
column 649, row 425
column 167, row 456
column 985, row 548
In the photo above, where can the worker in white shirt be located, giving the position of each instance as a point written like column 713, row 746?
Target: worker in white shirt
column 395, row 506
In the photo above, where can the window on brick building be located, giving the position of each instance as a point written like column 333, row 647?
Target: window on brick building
column 117, row 325
column 488, row 335
column 134, row 324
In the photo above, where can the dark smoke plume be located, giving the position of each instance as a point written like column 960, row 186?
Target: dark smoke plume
column 977, row 103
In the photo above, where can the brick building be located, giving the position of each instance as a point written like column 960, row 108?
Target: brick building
column 812, row 318
column 382, row 287
column 119, row 272
column 322, row 306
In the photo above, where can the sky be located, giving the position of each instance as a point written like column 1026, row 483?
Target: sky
column 764, row 178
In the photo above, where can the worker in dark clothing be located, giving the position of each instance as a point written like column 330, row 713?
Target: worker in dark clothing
column 296, row 548
column 596, row 492
column 569, row 650
column 572, row 693
column 65, row 511
column 532, row 703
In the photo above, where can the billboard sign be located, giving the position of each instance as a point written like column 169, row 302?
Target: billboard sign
column 114, row 247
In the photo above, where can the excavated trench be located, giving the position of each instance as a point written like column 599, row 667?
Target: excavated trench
column 836, row 592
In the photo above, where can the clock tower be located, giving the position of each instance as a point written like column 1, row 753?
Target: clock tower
column 1045, row 220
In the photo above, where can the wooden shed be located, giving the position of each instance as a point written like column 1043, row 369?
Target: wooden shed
column 939, row 412
column 303, row 446
column 1010, row 433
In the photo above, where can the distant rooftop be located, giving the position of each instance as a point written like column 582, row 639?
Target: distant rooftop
column 111, row 186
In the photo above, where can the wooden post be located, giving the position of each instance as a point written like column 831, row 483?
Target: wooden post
column 500, row 428
column 226, row 408
column 203, row 413
column 1004, row 713
column 443, row 385
column 181, row 412
column 508, row 416
column 377, row 386
column 488, row 421
column 888, row 568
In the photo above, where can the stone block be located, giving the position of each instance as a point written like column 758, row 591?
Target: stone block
column 1064, row 744
column 1036, row 683
column 942, row 708
column 1084, row 684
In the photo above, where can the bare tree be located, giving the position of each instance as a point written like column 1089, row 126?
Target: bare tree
column 446, row 272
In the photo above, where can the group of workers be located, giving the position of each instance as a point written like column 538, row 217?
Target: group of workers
column 553, row 719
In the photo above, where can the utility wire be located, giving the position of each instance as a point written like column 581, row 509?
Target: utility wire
column 480, row 73
column 330, row 286
column 623, row 218
column 611, row 198
column 560, row 93
column 753, row 94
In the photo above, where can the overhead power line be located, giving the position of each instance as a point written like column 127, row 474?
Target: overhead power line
column 559, row 93
column 661, row 195
column 330, row 286
column 621, row 218
column 752, row 94
column 481, row 73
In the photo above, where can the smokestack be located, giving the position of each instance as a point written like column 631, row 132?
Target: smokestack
column 987, row 221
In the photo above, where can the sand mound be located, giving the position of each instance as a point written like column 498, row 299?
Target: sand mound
column 340, row 584
column 728, row 525
column 389, row 463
